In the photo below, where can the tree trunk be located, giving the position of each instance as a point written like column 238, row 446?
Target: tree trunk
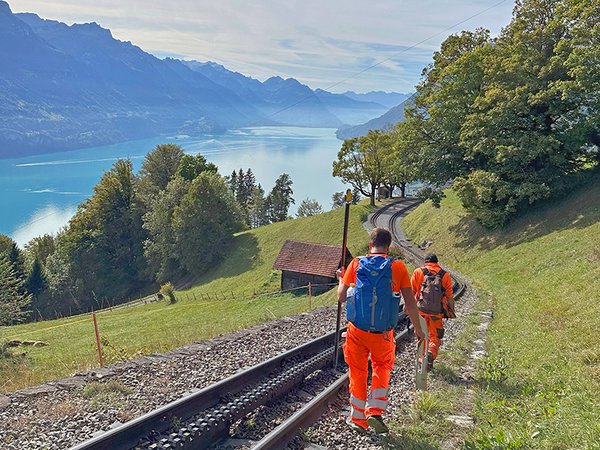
column 403, row 190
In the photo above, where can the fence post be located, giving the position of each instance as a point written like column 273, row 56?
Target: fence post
column 98, row 344
column 309, row 296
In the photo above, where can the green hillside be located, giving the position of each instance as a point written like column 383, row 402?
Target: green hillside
column 540, row 382
column 159, row 327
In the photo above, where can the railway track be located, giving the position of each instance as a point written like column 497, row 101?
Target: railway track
column 203, row 419
column 414, row 255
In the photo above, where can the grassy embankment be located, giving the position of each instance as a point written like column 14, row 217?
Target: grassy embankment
column 158, row 327
column 538, row 387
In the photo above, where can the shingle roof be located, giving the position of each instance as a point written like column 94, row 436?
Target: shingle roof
column 310, row 258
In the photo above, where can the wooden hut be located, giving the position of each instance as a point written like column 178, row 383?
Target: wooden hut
column 304, row 262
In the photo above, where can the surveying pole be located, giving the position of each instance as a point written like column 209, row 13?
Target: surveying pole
column 336, row 349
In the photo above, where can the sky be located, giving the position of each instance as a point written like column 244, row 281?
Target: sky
column 322, row 43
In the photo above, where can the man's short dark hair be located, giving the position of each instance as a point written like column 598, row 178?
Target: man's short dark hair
column 380, row 237
column 431, row 258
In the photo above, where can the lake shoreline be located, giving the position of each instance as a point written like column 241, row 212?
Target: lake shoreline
column 42, row 191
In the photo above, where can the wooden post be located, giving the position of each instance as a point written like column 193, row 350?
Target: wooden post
column 98, row 344
column 309, row 296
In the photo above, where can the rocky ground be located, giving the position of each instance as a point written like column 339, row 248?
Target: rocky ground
column 60, row 414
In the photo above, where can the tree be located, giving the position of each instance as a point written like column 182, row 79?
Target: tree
column 279, row 199
column 520, row 133
column 62, row 294
column 257, row 212
column 309, row 207
column 402, row 164
column 159, row 166
column 36, row 280
column 13, row 300
column 15, row 256
column 160, row 247
column 361, row 162
column 232, row 182
column 40, row 248
column 444, row 99
column 104, row 240
column 338, row 199
column 191, row 166
column 204, row 223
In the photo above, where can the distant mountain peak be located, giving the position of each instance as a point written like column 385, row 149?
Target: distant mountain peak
column 93, row 28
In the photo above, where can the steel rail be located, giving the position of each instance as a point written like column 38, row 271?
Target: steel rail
column 310, row 413
column 127, row 435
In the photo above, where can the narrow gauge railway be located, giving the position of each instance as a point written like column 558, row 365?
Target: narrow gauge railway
column 205, row 418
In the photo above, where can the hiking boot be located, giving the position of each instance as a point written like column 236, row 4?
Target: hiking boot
column 377, row 423
column 354, row 426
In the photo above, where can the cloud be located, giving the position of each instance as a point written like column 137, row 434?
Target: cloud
column 305, row 39
column 47, row 220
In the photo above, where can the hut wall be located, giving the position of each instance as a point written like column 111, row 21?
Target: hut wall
column 291, row 280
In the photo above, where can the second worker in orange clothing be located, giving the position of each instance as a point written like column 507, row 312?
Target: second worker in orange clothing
column 371, row 287
column 432, row 287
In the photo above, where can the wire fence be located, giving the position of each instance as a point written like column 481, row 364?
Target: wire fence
column 310, row 290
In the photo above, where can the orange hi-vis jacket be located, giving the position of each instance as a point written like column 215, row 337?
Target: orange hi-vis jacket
column 380, row 347
column 435, row 323
column 417, row 282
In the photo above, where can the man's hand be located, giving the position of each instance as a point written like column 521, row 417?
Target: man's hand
column 410, row 307
column 418, row 332
column 338, row 274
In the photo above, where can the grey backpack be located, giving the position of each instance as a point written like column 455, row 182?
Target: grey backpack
column 432, row 291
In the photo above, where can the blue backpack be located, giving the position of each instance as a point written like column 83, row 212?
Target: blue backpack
column 373, row 306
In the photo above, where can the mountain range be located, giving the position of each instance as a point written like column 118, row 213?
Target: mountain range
column 65, row 87
column 383, row 122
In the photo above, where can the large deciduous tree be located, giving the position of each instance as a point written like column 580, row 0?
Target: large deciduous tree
column 204, row 222
column 362, row 162
column 159, row 166
column 104, row 241
column 160, row 247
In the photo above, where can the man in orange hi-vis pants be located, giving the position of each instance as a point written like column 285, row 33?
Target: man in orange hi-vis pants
column 371, row 288
column 432, row 287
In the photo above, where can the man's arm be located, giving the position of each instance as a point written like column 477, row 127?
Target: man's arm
column 342, row 290
column 449, row 296
column 410, row 306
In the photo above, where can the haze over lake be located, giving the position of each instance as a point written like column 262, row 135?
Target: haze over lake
column 39, row 194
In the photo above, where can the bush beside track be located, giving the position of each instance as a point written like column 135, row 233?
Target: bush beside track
column 540, row 381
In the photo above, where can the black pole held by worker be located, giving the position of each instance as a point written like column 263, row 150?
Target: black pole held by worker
column 336, row 349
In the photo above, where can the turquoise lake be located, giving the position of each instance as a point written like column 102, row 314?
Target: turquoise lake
column 39, row 194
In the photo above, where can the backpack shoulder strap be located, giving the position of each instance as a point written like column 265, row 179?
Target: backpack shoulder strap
column 441, row 273
column 425, row 271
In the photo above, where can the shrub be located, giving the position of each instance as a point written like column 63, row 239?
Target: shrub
column 168, row 290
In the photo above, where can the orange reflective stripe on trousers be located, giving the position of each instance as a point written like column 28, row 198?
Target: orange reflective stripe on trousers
column 381, row 348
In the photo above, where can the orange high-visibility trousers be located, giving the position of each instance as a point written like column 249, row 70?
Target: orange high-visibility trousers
column 381, row 349
column 435, row 330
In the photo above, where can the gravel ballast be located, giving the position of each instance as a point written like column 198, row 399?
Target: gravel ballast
column 57, row 415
